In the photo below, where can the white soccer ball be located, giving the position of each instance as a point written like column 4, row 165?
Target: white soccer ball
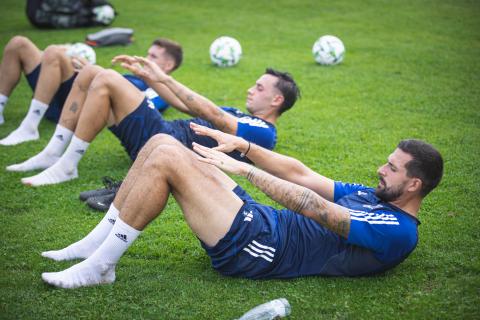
column 104, row 14
column 82, row 50
column 328, row 50
column 225, row 51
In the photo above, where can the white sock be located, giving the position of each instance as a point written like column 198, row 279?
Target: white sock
column 3, row 102
column 28, row 129
column 100, row 266
column 64, row 169
column 48, row 156
column 84, row 248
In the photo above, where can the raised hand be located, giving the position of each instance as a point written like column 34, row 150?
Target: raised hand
column 226, row 142
column 221, row 160
column 142, row 67
column 123, row 58
column 78, row 63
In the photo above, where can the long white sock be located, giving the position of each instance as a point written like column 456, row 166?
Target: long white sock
column 48, row 156
column 84, row 248
column 64, row 169
column 3, row 102
column 100, row 266
column 28, row 129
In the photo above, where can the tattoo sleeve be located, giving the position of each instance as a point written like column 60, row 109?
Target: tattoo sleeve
column 302, row 200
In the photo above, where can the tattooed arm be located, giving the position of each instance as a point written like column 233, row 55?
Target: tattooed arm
column 294, row 197
column 196, row 104
column 302, row 200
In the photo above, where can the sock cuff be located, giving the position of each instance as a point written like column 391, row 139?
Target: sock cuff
column 62, row 130
column 112, row 214
column 39, row 104
column 123, row 226
column 79, row 143
column 3, row 101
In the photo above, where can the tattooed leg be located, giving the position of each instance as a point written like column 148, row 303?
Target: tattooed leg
column 76, row 98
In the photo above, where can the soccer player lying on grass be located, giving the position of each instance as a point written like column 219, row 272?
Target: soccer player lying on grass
column 112, row 100
column 327, row 227
column 51, row 75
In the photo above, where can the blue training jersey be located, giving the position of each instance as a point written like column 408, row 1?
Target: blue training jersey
column 254, row 129
column 153, row 99
column 381, row 236
column 249, row 127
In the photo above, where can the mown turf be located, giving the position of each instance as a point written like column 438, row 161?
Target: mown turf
column 411, row 70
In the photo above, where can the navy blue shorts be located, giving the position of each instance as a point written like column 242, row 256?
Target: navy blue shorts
column 140, row 125
column 252, row 246
column 56, row 105
column 144, row 122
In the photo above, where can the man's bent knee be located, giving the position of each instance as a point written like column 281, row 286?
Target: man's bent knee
column 53, row 53
column 86, row 75
column 165, row 156
column 163, row 139
column 107, row 76
column 17, row 43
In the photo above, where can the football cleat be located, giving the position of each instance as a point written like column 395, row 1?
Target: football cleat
column 101, row 203
column 111, row 187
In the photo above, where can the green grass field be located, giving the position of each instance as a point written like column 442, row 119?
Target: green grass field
column 412, row 69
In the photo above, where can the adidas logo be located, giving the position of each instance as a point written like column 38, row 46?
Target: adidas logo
column 122, row 237
column 37, row 112
column 112, row 221
column 248, row 216
column 80, row 151
column 59, row 137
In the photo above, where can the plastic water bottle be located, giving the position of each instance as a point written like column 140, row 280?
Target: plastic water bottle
column 274, row 309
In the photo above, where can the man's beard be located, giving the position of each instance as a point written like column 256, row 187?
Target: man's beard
column 389, row 194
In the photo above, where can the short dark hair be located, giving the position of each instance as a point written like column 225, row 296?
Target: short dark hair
column 426, row 163
column 172, row 48
column 288, row 88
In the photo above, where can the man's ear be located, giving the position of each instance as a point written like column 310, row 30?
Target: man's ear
column 278, row 99
column 169, row 65
column 415, row 185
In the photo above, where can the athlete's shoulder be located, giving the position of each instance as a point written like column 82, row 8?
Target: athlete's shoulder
column 342, row 189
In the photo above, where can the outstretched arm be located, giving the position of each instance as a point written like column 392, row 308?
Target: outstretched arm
column 294, row 197
column 196, row 103
column 283, row 167
column 162, row 90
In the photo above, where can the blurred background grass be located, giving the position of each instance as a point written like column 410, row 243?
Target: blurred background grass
column 411, row 71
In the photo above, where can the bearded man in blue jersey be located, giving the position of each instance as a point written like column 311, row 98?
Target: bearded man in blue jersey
column 327, row 228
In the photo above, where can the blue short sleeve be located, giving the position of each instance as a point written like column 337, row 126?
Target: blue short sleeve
column 254, row 129
column 260, row 135
column 342, row 189
column 155, row 100
column 389, row 236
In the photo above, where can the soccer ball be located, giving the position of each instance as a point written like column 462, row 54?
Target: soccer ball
column 225, row 52
column 82, row 50
column 328, row 50
column 104, row 14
